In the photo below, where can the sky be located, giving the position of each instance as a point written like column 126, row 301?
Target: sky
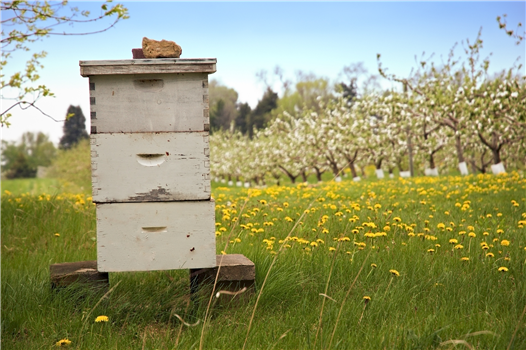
column 247, row 37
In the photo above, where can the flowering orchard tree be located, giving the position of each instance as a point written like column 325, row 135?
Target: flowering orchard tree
column 451, row 114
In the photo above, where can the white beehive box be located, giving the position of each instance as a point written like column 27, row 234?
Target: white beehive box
column 150, row 163
column 169, row 94
column 150, row 167
column 155, row 236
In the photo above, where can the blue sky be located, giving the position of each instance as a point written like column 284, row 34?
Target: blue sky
column 246, row 37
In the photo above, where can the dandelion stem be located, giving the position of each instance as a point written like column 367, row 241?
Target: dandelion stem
column 361, row 316
column 386, row 289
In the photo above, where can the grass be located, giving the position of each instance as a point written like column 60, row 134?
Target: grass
column 438, row 301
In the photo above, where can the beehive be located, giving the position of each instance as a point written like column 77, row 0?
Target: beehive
column 150, row 163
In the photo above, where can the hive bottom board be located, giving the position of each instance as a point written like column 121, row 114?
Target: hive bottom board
column 155, row 236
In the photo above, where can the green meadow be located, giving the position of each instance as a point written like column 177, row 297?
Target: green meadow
column 420, row 263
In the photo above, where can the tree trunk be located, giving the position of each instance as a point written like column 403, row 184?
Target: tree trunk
column 304, row 176
column 460, row 149
column 318, row 173
column 291, row 176
column 353, row 170
column 432, row 161
column 334, row 168
column 496, row 149
column 410, row 151
column 378, row 163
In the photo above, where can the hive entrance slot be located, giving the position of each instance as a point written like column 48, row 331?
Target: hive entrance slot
column 154, row 229
column 148, row 85
column 151, row 159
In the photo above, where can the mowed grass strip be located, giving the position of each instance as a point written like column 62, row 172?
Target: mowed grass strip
column 446, row 265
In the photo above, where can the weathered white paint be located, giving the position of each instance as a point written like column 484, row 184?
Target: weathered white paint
column 463, row 167
column 380, row 173
column 147, row 66
column 155, row 236
column 149, row 103
column 498, row 168
column 431, row 172
column 150, row 167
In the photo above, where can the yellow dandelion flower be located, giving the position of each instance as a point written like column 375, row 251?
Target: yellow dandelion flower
column 331, row 249
column 505, row 243
column 430, row 250
column 441, row 226
column 472, row 234
column 63, row 342
column 397, row 219
column 453, row 241
column 102, row 319
column 459, row 246
column 490, row 255
column 263, row 202
column 366, row 299
column 465, row 258
column 374, row 266
column 324, row 231
column 500, row 231
column 57, row 234
column 394, row 273
column 288, row 219
column 503, row 269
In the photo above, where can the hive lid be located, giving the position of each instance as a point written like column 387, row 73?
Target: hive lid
column 148, row 66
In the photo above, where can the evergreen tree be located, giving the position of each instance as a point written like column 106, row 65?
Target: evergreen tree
column 349, row 92
column 243, row 117
column 74, row 128
column 261, row 115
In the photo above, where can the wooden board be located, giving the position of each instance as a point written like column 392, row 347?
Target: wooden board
column 149, row 103
column 148, row 66
column 155, row 236
column 150, row 167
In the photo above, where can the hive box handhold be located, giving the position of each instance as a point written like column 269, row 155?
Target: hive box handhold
column 160, row 49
